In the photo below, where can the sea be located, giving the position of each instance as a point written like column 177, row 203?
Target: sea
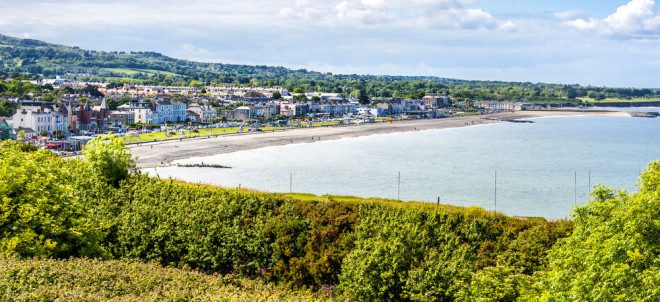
column 539, row 169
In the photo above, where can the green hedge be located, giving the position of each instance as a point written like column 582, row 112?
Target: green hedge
column 306, row 242
column 120, row 280
column 359, row 249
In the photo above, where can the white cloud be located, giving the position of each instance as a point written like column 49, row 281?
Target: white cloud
column 194, row 50
column 426, row 14
column 637, row 17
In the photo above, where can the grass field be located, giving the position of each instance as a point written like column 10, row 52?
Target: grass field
column 618, row 100
column 158, row 136
column 320, row 124
column 131, row 72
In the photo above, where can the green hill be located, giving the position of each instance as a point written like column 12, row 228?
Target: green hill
column 34, row 59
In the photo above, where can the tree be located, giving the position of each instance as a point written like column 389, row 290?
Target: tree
column 196, row 84
column 93, row 91
column 110, row 159
column 7, row 107
column 361, row 95
column 614, row 251
column 113, row 85
column 42, row 215
column 300, row 97
column 277, row 95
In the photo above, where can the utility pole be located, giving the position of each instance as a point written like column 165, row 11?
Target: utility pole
column 398, row 187
column 438, row 199
column 589, row 183
column 575, row 187
column 495, row 190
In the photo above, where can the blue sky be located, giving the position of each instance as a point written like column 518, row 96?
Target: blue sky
column 613, row 43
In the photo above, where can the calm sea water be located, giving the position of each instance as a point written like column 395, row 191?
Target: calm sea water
column 543, row 168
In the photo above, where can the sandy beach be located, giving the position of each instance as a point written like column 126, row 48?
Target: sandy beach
column 163, row 153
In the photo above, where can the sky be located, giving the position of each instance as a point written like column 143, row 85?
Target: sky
column 600, row 42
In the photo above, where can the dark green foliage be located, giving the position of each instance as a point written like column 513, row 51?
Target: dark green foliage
column 365, row 250
column 178, row 224
column 7, row 108
column 427, row 253
column 613, row 253
column 119, row 280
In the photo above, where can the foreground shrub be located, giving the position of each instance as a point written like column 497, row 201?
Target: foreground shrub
column 498, row 283
column 40, row 212
column 109, row 158
column 614, row 251
column 414, row 252
column 111, row 280
column 366, row 250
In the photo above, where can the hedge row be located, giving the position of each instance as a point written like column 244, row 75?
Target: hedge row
column 362, row 249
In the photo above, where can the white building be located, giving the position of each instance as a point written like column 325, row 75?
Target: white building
column 40, row 117
column 169, row 112
column 205, row 114
column 496, row 105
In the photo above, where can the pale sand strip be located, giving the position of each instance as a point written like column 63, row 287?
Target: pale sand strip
column 160, row 154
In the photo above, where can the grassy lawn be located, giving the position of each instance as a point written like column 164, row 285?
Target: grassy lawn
column 153, row 71
column 158, row 136
column 163, row 136
column 616, row 100
column 320, row 124
column 131, row 72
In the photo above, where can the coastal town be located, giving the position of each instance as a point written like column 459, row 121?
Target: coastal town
column 139, row 111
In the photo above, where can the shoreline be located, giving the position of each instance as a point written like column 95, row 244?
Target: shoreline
column 161, row 154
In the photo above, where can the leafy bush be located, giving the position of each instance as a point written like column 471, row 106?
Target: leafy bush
column 109, row 159
column 498, row 283
column 614, row 251
column 356, row 249
column 40, row 212
column 94, row 280
column 428, row 253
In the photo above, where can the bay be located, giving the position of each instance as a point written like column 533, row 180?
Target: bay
column 543, row 168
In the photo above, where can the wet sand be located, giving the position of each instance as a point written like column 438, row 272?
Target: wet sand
column 163, row 153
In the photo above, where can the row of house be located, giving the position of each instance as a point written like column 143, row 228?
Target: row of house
column 212, row 91
column 159, row 111
column 501, row 105
column 290, row 109
column 38, row 117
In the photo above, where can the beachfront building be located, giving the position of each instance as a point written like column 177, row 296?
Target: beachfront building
column 141, row 111
column 83, row 116
column 201, row 113
column 157, row 112
column 143, row 115
column 38, row 117
column 435, row 101
column 367, row 112
column 293, row 109
column 121, row 118
column 337, row 109
column 496, row 105
column 168, row 112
